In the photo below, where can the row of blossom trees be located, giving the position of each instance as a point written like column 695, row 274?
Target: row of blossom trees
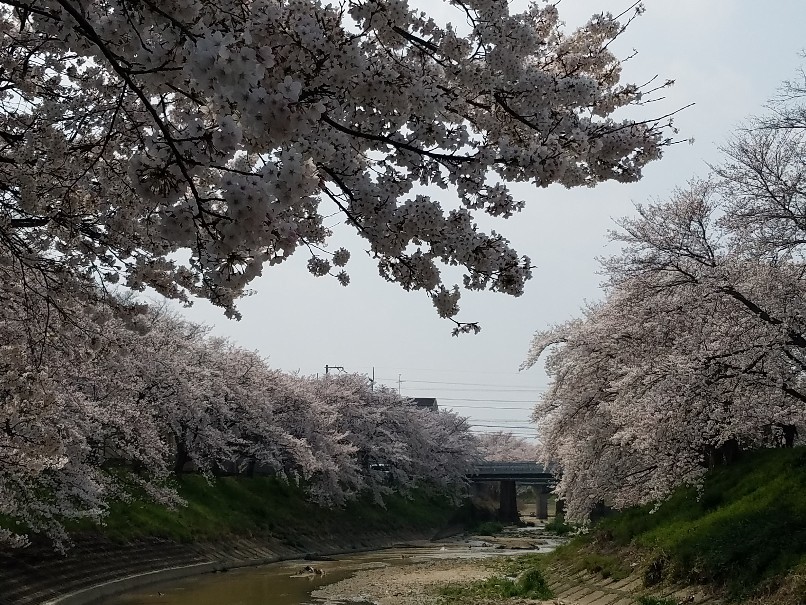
column 699, row 346
column 90, row 383
column 187, row 145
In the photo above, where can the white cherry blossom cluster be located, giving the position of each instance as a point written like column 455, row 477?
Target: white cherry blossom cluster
column 132, row 131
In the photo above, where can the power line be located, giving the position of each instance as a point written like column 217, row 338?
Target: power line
column 487, row 407
column 532, row 402
column 520, row 421
column 507, row 426
column 509, row 420
column 501, row 426
column 518, row 433
column 444, row 371
column 488, row 400
column 452, row 389
column 499, row 429
column 495, row 422
column 471, row 384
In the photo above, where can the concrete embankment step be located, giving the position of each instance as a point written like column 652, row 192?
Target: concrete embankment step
column 38, row 575
column 574, row 587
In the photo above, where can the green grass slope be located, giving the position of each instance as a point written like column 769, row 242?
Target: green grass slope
column 264, row 506
column 746, row 532
column 257, row 507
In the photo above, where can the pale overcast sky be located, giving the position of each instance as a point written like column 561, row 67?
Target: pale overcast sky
column 726, row 56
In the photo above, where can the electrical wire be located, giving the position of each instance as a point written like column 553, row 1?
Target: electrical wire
column 487, row 407
column 488, row 400
column 453, row 389
column 444, row 371
column 506, row 426
column 469, row 384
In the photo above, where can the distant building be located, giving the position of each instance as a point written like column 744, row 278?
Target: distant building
column 426, row 402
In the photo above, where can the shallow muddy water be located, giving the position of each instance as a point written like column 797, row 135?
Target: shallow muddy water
column 286, row 583
column 273, row 584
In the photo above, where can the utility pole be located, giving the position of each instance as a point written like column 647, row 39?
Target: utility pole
column 372, row 386
column 398, row 383
column 328, row 368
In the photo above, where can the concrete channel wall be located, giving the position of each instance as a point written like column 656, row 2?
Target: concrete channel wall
column 95, row 570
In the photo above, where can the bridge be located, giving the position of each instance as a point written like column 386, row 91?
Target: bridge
column 508, row 475
column 522, row 472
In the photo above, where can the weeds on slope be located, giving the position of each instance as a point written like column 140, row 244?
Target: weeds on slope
column 744, row 533
column 519, row 577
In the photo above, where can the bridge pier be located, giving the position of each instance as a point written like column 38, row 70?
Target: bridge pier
column 508, row 475
column 508, row 503
column 542, row 500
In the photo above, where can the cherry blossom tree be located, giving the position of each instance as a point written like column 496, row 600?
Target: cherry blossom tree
column 184, row 145
column 397, row 446
column 698, row 348
column 64, row 411
column 326, row 461
column 187, row 144
column 444, row 449
column 652, row 386
column 504, row 446
column 98, row 399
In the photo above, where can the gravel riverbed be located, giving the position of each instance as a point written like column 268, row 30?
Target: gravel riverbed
column 418, row 580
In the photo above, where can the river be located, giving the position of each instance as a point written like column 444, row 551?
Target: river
column 287, row 582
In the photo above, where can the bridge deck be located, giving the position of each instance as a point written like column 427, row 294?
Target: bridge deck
column 524, row 472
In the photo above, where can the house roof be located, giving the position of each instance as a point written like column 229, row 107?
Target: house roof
column 426, row 402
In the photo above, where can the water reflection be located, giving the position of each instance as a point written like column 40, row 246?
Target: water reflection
column 278, row 584
column 286, row 583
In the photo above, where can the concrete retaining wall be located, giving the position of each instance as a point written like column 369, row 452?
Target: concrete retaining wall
column 95, row 570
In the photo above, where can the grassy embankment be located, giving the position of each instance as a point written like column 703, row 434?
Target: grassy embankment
column 745, row 535
column 260, row 507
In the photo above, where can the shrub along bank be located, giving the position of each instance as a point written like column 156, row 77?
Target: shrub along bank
column 521, row 577
column 744, row 534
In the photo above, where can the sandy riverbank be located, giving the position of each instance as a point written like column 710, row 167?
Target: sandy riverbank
column 417, row 582
column 419, row 579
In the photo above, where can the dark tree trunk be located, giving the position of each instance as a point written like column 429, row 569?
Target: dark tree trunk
column 726, row 453
column 790, row 433
column 182, row 457
column 711, row 457
column 599, row 512
column 730, row 451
